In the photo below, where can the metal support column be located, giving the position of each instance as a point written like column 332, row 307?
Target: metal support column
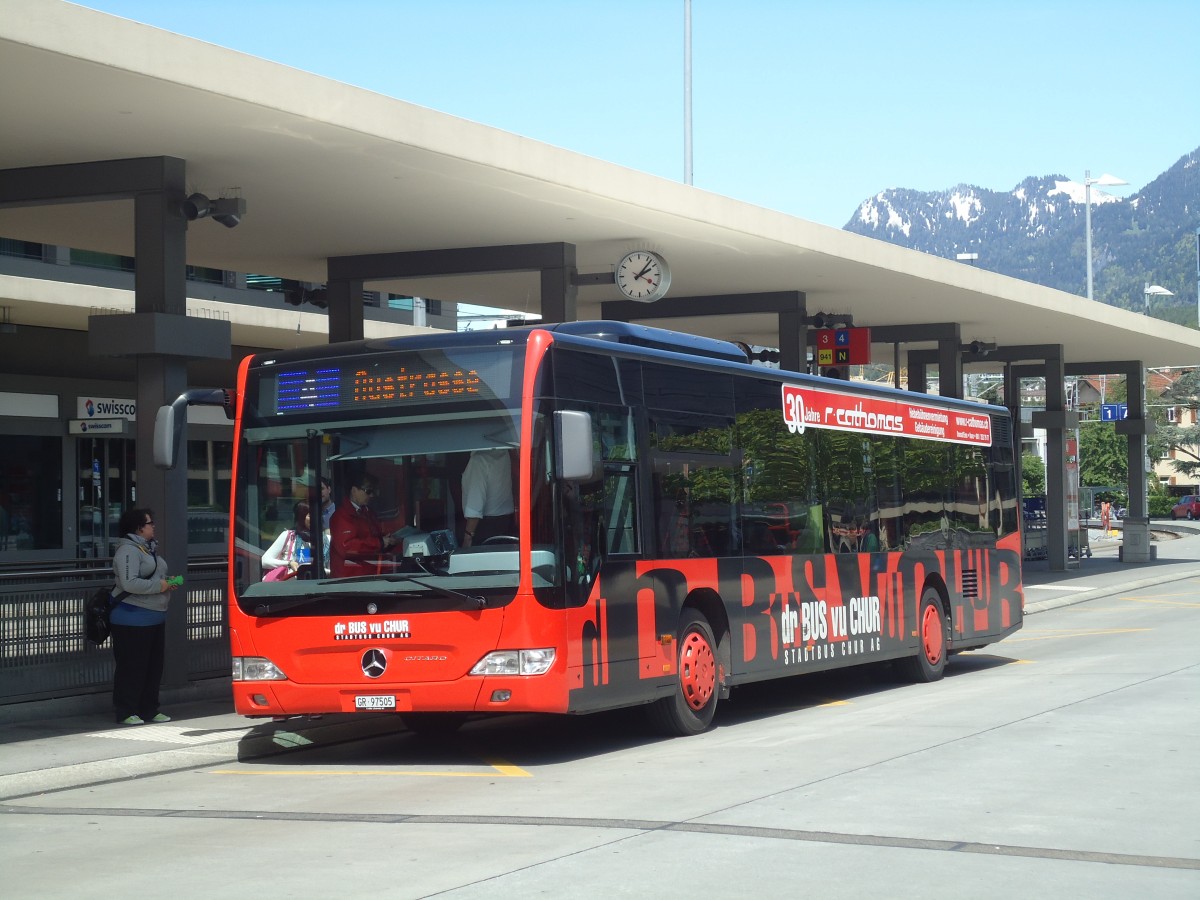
column 1135, row 530
column 559, row 294
column 950, row 370
column 344, row 296
column 1057, row 422
column 160, row 286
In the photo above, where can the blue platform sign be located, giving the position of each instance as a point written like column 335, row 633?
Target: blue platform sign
column 1111, row 412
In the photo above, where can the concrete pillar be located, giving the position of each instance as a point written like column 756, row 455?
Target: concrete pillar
column 1057, row 422
column 345, row 309
column 1135, row 529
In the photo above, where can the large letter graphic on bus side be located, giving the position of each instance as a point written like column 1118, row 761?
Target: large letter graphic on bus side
column 816, row 585
column 654, row 602
column 915, row 569
column 1004, row 574
column 765, row 587
column 590, row 623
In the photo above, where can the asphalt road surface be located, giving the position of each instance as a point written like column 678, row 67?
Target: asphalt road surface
column 1059, row 763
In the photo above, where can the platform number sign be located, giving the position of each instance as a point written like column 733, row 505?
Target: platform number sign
column 843, row 346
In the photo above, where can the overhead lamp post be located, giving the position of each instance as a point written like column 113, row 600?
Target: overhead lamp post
column 1088, row 181
column 1155, row 290
column 687, row 91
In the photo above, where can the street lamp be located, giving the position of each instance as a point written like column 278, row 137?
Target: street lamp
column 1155, row 290
column 1088, row 181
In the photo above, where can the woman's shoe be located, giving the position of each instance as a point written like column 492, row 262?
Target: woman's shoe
column 132, row 720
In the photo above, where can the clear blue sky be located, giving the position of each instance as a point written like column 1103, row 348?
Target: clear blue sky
column 805, row 107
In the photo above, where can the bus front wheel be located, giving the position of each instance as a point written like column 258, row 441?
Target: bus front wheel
column 690, row 709
column 933, row 636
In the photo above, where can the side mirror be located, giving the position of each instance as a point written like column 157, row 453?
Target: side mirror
column 170, row 420
column 573, row 443
column 167, row 436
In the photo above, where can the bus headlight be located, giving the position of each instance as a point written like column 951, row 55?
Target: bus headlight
column 256, row 668
column 516, row 662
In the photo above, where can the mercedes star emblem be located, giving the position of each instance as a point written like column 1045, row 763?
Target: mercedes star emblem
column 373, row 663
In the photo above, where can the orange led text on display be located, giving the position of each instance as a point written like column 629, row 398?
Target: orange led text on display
column 428, row 384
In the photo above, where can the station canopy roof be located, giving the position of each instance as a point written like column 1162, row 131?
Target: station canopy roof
column 329, row 170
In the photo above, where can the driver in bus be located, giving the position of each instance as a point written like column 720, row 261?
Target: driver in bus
column 356, row 539
column 487, row 497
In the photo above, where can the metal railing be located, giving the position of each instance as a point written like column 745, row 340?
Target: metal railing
column 43, row 652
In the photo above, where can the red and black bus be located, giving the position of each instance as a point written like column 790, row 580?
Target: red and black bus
column 685, row 523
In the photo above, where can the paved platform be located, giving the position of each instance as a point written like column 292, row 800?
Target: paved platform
column 59, row 744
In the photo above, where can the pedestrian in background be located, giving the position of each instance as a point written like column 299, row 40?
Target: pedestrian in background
column 139, row 621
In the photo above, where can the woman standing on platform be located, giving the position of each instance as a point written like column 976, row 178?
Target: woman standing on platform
column 139, row 621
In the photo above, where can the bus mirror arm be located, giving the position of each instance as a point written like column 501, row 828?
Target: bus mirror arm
column 170, row 420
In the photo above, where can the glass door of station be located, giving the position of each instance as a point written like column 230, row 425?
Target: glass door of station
column 107, row 486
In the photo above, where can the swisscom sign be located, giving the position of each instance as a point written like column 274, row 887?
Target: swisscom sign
column 106, row 408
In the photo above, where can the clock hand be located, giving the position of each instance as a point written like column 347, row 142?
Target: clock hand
column 645, row 269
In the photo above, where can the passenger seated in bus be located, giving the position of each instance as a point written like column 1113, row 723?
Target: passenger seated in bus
column 327, row 504
column 356, row 539
column 487, row 497
column 292, row 549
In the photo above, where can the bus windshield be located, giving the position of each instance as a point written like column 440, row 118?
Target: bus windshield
column 380, row 476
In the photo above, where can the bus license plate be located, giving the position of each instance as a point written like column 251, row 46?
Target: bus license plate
column 375, row 701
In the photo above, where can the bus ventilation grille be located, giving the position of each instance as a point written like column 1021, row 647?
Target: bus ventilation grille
column 970, row 584
column 1001, row 431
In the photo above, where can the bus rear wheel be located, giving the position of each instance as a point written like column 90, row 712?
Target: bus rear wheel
column 933, row 637
column 690, row 709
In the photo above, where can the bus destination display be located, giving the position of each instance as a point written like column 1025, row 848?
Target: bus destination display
column 411, row 379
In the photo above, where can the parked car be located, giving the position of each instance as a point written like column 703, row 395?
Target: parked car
column 1187, row 508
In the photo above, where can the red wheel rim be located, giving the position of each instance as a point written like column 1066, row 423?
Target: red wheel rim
column 933, row 633
column 697, row 670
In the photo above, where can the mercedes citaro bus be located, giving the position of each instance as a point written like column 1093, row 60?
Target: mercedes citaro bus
column 685, row 522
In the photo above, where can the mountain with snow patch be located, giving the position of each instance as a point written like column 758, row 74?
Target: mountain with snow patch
column 1036, row 232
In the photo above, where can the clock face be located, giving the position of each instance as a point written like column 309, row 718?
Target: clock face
column 643, row 276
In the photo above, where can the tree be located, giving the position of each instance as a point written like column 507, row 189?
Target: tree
column 1033, row 475
column 1103, row 455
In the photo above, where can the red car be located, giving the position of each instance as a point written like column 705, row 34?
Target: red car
column 1187, row 508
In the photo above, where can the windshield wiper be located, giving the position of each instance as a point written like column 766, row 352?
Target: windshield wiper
column 266, row 608
column 294, row 602
column 480, row 602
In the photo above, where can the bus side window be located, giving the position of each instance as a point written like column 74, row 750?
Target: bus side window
column 674, row 517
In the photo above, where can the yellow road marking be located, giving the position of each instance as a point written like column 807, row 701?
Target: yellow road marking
column 507, row 768
column 1177, row 603
column 498, row 766
column 791, row 707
